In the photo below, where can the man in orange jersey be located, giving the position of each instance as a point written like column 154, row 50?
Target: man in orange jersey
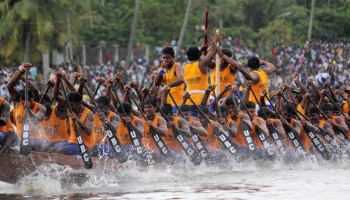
column 84, row 119
column 180, row 124
column 173, row 76
column 100, row 144
column 153, row 123
column 195, row 72
column 123, row 134
column 258, row 75
column 38, row 140
column 7, row 134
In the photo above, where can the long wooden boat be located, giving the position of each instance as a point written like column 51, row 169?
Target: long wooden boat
column 15, row 166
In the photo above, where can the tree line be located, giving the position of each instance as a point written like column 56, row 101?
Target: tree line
column 28, row 27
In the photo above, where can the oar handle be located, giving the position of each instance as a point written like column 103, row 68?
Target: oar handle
column 199, row 110
column 178, row 109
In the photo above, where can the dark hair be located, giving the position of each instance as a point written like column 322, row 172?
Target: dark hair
column 289, row 109
column 127, row 107
column 45, row 97
column 104, row 100
column 205, row 109
column 227, row 52
column 74, row 97
column 22, row 94
column 169, row 50
column 193, row 53
column 313, row 110
column 249, row 104
column 166, row 109
column 223, row 109
column 185, row 108
column 326, row 107
column 253, row 62
column 231, row 101
column 150, row 100
column 263, row 112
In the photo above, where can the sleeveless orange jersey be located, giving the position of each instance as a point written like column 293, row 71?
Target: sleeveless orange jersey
column 147, row 139
column 98, row 131
column 9, row 125
column 196, row 82
column 176, row 91
column 301, row 110
column 86, row 138
column 346, row 108
column 170, row 139
column 34, row 129
column 304, row 138
column 262, row 84
column 240, row 137
column 211, row 141
column 123, row 132
column 226, row 77
column 55, row 128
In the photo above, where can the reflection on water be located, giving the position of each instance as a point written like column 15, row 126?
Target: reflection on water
column 249, row 180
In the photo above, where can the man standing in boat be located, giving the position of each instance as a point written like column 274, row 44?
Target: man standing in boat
column 173, row 76
column 195, row 72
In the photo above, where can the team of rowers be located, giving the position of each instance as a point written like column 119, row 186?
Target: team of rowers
column 180, row 114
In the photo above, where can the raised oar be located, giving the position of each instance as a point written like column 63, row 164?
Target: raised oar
column 83, row 149
column 45, row 92
column 25, row 147
column 163, row 148
column 135, row 137
column 292, row 136
column 227, row 143
column 194, row 156
column 109, row 131
column 201, row 147
column 261, row 135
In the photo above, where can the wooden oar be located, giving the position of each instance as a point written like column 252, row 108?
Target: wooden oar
column 227, row 143
column 109, row 131
column 82, row 147
column 25, row 147
column 198, row 143
column 252, row 148
column 316, row 141
column 163, row 148
column 261, row 135
column 135, row 137
column 292, row 136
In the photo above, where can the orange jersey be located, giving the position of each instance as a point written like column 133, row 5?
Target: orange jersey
column 34, row 129
column 9, row 125
column 304, row 138
column 170, row 139
column 147, row 139
column 240, row 137
column 55, row 128
column 123, row 133
column 226, row 77
column 211, row 141
column 196, row 82
column 176, row 91
column 98, row 131
column 346, row 108
column 258, row 87
column 86, row 138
